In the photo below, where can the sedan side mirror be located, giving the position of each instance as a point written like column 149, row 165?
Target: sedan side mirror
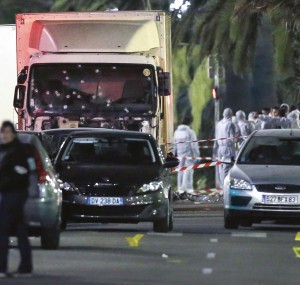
column 228, row 161
column 171, row 162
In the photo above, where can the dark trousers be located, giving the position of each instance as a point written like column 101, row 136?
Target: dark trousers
column 12, row 222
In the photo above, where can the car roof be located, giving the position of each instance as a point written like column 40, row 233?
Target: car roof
column 278, row 133
column 66, row 130
column 30, row 138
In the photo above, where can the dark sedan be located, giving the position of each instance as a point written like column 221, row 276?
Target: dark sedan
column 115, row 176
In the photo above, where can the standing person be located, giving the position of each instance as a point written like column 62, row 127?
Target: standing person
column 224, row 150
column 255, row 121
column 16, row 162
column 266, row 119
column 245, row 127
column 283, row 122
column 285, row 107
column 293, row 116
column 274, row 112
column 266, row 111
column 185, row 149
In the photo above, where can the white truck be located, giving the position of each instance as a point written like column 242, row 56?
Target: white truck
column 8, row 72
column 95, row 69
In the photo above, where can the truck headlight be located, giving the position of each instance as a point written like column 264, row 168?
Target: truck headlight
column 240, row 184
column 152, row 186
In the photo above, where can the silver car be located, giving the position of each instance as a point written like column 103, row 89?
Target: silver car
column 43, row 208
column 264, row 182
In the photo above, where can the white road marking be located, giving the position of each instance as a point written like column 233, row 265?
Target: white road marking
column 207, row 271
column 210, row 255
column 165, row 234
column 214, row 240
column 249, row 235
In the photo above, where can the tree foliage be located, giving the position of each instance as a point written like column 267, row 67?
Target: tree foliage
column 8, row 8
column 229, row 29
column 91, row 5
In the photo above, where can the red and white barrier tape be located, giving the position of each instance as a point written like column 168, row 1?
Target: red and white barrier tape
column 196, row 166
column 209, row 140
column 195, row 157
column 208, row 190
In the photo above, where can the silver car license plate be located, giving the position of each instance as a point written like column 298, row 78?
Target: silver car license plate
column 280, row 199
column 105, row 201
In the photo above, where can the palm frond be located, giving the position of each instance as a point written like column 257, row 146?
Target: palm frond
column 245, row 45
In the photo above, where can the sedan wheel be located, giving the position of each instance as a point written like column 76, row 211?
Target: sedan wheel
column 50, row 237
column 230, row 222
column 246, row 223
column 164, row 225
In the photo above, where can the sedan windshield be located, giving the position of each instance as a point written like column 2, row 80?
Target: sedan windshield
column 271, row 150
column 76, row 89
column 109, row 151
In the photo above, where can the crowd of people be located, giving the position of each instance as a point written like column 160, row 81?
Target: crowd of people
column 277, row 117
column 237, row 126
column 232, row 125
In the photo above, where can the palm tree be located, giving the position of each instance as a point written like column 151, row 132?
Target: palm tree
column 230, row 29
column 8, row 8
column 91, row 5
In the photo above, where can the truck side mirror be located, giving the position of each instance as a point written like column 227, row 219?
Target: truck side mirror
column 22, row 76
column 164, row 83
column 19, row 96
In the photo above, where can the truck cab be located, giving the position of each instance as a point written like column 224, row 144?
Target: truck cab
column 95, row 69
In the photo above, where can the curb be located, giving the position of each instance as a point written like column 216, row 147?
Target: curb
column 194, row 206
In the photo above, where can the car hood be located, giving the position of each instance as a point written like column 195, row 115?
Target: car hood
column 81, row 174
column 266, row 174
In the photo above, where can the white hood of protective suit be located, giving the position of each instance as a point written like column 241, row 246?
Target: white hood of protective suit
column 183, row 145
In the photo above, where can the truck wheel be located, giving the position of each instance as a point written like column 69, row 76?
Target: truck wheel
column 230, row 222
column 50, row 238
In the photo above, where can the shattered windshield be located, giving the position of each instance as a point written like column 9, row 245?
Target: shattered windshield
column 90, row 88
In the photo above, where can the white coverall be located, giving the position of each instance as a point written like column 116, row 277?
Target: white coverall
column 184, row 133
column 244, row 126
column 224, row 150
column 293, row 116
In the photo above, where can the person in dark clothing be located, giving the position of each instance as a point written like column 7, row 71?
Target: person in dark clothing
column 16, row 163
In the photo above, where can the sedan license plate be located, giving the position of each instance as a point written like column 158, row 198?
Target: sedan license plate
column 280, row 199
column 105, row 201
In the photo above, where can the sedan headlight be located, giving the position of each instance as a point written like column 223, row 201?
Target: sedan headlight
column 152, row 186
column 240, row 184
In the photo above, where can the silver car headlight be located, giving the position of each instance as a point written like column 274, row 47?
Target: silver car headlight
column 240, row 184
column 151, row 187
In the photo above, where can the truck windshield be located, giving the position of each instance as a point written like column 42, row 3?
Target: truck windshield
column 78, row 89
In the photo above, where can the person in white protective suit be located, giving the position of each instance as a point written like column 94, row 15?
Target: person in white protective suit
column 224, row 150
column 255, row 121
column 293, row 116
column 185, row 150
column 245, row 127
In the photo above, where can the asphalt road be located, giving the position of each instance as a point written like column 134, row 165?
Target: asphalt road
column 198, row 251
